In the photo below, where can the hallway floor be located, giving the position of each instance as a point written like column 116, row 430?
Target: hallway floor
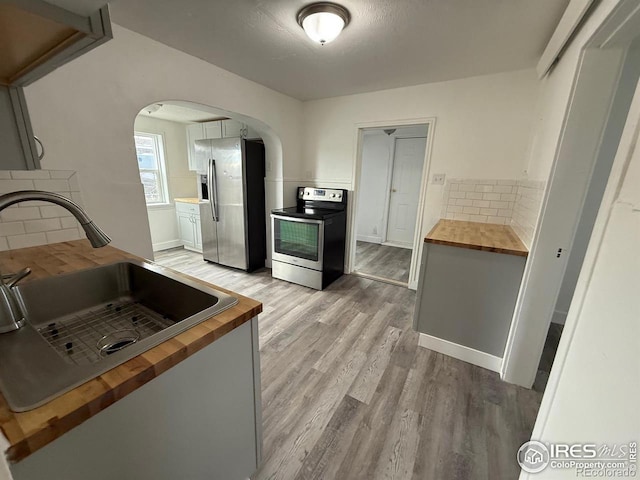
column 348, row 394
column 383, row 261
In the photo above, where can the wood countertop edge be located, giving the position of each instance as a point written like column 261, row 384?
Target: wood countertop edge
column 493, row 246
column 29, row 431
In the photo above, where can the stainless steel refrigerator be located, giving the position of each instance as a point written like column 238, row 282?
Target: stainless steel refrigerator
column 233, row 220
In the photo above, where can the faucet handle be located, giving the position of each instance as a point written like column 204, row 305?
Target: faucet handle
column 14, row 278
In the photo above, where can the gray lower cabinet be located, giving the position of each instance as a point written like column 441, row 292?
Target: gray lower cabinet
column 467, row 297
column 199, row 420
column 189, row 229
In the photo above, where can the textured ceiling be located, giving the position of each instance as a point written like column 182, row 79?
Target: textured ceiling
column 389, row 43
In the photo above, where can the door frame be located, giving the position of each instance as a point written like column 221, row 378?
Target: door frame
column 430, row 122
column 596, row 76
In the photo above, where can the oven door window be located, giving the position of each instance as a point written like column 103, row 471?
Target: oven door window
column 296, row 239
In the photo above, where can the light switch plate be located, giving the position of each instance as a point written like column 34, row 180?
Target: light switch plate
column 438, row 178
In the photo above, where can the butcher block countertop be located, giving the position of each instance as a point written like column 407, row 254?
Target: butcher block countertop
column 32, row 430
column 477, row 236
column 187, row 200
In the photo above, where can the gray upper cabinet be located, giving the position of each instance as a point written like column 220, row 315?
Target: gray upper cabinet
column 36, row 38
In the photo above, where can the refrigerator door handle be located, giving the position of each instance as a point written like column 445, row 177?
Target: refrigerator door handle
column 213, row 188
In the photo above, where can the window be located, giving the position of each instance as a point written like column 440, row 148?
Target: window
column 150, row 153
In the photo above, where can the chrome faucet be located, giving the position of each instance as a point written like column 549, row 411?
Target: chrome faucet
column 11, row 313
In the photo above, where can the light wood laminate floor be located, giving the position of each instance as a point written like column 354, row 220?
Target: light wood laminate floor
column 383, row 261
column 348, row 394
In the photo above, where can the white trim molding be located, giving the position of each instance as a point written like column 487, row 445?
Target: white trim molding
column 570, row 21
column 157, row 247
column 360, row 129
column 466, row 354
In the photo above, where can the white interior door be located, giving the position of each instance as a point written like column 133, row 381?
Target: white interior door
column 405, row 190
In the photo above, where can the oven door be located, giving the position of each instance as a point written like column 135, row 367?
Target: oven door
column 298, row 241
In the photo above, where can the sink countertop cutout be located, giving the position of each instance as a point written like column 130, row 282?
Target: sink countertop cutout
column 29, row 431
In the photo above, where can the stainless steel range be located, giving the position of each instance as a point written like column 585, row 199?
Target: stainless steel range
column 309, row 239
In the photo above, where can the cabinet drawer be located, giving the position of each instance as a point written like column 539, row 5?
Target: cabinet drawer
column 188, row 208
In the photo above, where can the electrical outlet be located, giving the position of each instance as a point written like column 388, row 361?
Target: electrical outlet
column 438, row 178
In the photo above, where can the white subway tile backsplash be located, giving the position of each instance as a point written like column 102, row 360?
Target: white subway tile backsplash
column 52, row 185
column 65, row 235
column 53, row 211
column 16, row 213
column 28, row 240
column 35, row 223
column 491, row 196
column 63, row 174
column 498, row 204
column 7, row 186
column 11, row 228
column 42, row 225
column 480, row 200
column 29, row 174
column 471, row 210
column 527, row 208
column 489, row 211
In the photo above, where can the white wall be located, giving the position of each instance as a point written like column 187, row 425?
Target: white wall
column 182, row 182
column 84, row 113
column 599, row 177
column 376, row 161
column 482, row 130
column 598, row 384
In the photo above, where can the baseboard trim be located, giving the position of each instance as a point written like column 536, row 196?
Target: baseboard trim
column 157, row 247
column 379, row 279
column 408, row 246
column 369, row 239
column 466, row 354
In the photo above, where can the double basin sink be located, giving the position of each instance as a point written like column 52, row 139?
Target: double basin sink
column 82, row 324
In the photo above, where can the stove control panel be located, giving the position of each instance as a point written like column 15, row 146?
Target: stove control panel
column 320, row 194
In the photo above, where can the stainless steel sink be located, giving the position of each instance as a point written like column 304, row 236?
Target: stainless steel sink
column 82, row 324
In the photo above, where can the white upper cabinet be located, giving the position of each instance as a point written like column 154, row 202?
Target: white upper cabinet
column 217, row 129
column 213, row 129
column 231, row 128
column 36, row 38
column 195, row 131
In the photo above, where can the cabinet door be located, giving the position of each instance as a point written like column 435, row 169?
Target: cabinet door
column 250, row 133
column 17, row 144
column 198, row 233
column 186, row 229
column 195, row 132
column 213, row 130
column 232, row 128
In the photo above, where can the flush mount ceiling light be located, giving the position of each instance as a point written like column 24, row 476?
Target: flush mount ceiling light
column 323, row 21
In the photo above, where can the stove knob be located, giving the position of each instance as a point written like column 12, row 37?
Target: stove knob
column 333, row 195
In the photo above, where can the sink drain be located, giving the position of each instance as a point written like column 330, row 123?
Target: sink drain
column 116, row 341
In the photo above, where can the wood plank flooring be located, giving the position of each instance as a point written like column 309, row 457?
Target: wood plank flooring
column 383, row 261
column 347, row 393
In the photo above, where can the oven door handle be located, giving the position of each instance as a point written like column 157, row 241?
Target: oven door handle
column 277, row 216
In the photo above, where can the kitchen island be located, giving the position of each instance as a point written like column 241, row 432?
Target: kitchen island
column 470, row 275
column 187, row 408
